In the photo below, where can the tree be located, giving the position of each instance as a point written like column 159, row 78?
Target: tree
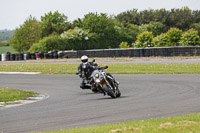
column 155, row 27
column 104, row 27
column 128, row 32
column 96, row 23
column 54, row 23
column 130, row 16
column 77, row 23
column 6, row 34
column 161, row 16
column 26, row 35
column 196, row 16
column 196, row 26
column 146, row 16
column 180, row 18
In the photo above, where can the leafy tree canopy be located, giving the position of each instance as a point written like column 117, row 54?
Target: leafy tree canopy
column 54, row 23
column 98, row 23
column 26, row 35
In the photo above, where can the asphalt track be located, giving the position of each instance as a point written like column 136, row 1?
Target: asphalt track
column 143, row 97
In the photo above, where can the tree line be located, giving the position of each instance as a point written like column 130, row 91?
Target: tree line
column 5, row 35
column 133, row 28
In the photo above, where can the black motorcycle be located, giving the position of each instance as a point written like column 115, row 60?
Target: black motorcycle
column 104, row 82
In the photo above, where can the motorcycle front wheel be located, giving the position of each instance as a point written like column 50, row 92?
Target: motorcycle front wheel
column 109, row 90
column 118, row 93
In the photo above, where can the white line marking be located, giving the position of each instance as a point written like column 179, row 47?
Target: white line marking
column 30, row 99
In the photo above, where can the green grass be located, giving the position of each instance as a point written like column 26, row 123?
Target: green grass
column 177, row 124
column 4, row 49
column 7, row 95
column 127, row 68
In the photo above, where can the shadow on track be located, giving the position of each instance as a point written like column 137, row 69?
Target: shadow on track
column 108, row 97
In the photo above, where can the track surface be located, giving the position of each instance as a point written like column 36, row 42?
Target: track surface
column 143, row 97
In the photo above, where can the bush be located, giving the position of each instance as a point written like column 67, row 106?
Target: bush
column 144, row 40
column 190, row 38
column 160, row 40
column 174, row 36
column 50, row 43
column 124, row 45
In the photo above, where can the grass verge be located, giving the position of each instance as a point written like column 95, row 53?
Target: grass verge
column 7, row 95
column 126, row 68
column 177, row 124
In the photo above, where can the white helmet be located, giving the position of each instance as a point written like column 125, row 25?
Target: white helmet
column 84, row 58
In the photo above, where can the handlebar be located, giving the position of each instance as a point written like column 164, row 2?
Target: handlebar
column 103, row 68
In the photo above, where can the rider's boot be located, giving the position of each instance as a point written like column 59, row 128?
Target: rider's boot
column 82, row 85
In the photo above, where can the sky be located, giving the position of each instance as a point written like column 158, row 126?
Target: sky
column 13, row 13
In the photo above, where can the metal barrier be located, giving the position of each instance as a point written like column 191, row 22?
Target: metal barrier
column 139, row 52
column 131, row 52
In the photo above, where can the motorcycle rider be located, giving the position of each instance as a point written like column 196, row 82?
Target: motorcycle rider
column 86, row 68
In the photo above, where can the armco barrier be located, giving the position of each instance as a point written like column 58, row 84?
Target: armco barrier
column 136, row 52
column 131, row 52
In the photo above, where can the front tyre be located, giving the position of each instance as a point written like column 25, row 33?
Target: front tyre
column 118, row 93
column 109, row 90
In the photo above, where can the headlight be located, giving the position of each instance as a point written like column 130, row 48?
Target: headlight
column 96, row 75
column 98, row 80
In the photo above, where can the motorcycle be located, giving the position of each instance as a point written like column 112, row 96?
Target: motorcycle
column 102, row 82
column 105, row 83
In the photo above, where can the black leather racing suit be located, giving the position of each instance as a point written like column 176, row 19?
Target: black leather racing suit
column 84, row 71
